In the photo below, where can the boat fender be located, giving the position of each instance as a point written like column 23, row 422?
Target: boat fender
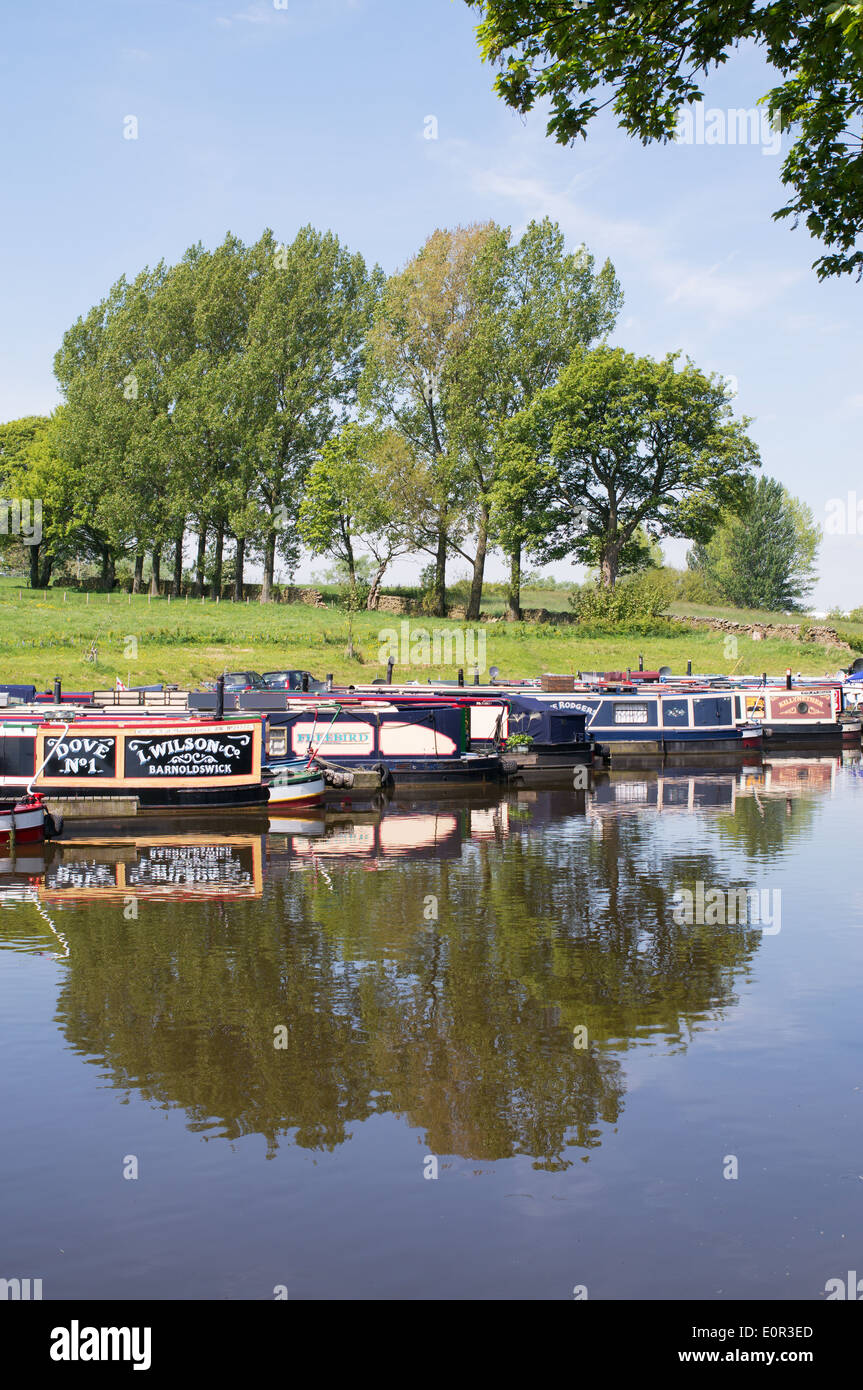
column 53, row 825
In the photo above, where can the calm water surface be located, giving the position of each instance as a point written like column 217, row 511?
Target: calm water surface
column 287, row 1033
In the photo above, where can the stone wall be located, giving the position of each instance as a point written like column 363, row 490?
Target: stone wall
column 313, row 597
column 824, row 636
column 393, row 603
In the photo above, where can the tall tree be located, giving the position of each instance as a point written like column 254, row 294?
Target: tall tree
column 424, row 321
column 763, row 554
column 623, row 444
column 210, row 297
column 16, row 439
column 540, row 303
column 361, row 495
column 116, row 368
column 56, row 500
column 301, row 363
column 648, row 62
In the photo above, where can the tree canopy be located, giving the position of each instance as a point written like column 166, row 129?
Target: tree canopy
column 623, row 446
column 763, row 554
column 647, row 62
column 261, row 397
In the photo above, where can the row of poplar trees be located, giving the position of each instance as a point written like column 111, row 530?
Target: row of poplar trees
column 269, row 397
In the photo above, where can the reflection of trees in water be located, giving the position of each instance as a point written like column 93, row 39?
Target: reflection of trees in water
column 763, row 827
column 464, row 1025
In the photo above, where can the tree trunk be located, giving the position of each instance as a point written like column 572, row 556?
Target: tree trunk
column 33, row 557
column 608, row 569
column 239, row 562
column 269, row 567
column 45, row 572
column 439, row 597
column 513, row 602
column 375, row 588
column 108, row 572
column 138, row 576
column 474, row 606
column 156, row 577
column 216, row 586
column 177, row 585
column 201, row 558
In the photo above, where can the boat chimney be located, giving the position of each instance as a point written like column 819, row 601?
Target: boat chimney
column 476, row 675
column 640, row 662
column 220, row 697
column 390, row 664
column 305, row 682
column 329, row 682
column 58, row 690
column 788, row 678
column 763, row 677
column 461, row 675
column 689, row 668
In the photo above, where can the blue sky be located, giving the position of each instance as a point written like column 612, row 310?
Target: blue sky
column 251, row 116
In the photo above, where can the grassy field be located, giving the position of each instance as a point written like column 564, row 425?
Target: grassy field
column 46, row 635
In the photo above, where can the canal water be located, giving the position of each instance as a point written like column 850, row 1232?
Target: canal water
column 549, row 1044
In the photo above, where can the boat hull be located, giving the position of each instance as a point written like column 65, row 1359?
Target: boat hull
column 23, row 819
column 293, row 791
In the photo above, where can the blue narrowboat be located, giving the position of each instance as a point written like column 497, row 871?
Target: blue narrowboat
column 646, row 721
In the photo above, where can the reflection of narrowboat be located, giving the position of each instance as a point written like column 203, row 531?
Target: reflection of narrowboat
column 392, row 836
column 184, row 764
column 663, row 792
column 182, row 867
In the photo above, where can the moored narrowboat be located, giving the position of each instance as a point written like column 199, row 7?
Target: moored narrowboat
column 798, row 717
column 152, row 764
column 424, row 745
column 647, row 722
column 294, row 785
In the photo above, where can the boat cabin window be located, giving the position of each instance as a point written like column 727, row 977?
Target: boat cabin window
column 277, row 743
column 630, row 712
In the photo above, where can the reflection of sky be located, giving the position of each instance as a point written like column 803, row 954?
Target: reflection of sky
column 774, row 1079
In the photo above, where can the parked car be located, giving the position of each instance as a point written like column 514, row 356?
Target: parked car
column 244, row 680
column 292, row 680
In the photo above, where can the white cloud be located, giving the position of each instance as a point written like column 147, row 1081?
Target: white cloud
column 259, row 13
column 719, row 290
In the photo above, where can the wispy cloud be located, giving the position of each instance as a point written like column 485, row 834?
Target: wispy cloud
column 259, row 13
column 723, row 291
column 266, row 12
